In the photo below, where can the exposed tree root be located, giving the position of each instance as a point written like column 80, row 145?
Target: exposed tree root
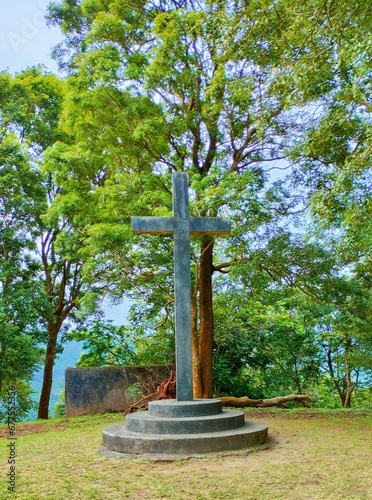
column 165, row 390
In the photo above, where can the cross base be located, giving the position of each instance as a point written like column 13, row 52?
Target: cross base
column 183, row 429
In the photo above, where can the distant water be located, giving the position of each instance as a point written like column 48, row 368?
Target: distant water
column 69, row 357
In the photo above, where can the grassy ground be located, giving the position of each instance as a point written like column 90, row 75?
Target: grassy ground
column 311, row 455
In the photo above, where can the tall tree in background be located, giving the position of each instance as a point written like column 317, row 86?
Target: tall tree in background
column 157, row 87
column 222, row 90
column 46, row 282
column 333, row 71
column 20, row 195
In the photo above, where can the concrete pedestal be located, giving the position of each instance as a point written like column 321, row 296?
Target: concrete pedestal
column 188, row 428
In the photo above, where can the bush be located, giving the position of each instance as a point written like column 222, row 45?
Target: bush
column 59, row 408
column 22, row 397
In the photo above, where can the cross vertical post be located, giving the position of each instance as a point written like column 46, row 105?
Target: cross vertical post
column 182, row 288
column 181, row 225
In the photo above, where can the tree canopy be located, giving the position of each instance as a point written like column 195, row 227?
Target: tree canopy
column 232, row 93
column 266, row 106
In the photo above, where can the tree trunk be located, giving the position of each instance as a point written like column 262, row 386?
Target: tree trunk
column 206, row 316
column 333, row 376
column 265, row 403
column 347, row 401
column 43, row 411
column 196, row 373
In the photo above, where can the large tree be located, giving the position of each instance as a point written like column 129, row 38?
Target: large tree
column 20, row 195
column 222, row 90
column 158, row 87
column 333, row 72
column 40, row 265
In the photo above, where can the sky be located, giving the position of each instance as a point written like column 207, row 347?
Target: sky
column 25, row 40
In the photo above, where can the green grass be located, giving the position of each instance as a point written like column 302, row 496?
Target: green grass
column 312, row 455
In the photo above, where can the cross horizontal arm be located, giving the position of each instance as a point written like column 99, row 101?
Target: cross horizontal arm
column 213, row 225
column 153, row 225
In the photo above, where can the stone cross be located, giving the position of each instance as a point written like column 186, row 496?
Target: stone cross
column 181, row 226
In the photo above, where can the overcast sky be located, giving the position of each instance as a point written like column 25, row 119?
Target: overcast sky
column 25, row 40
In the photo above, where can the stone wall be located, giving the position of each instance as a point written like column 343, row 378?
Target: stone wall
column 108, row 389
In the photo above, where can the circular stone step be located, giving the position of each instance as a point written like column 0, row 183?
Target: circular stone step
column 195, row 408
column 146, row 423
column 118, row 438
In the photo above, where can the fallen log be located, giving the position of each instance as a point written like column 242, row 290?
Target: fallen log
column 239, row 402
column 167, row 390
column 279, row 401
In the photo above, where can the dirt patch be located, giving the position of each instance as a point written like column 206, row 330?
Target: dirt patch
column 36, row 428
